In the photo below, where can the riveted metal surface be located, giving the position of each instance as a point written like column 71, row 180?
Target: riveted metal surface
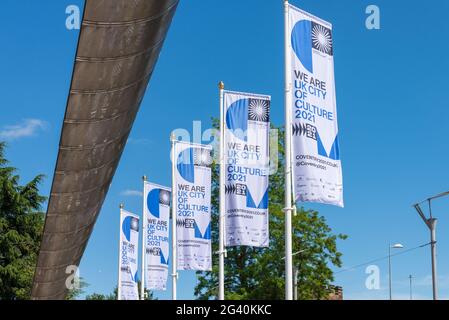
column 113, row 74
column 66, row 241
column 120, row 41
column 135, row 38
column 68, row 203
column 72, row 181
column 63, row 223
column 98, row 106
column 126, row 11
column 96, row 132
column 85, row 159
column 46, row 275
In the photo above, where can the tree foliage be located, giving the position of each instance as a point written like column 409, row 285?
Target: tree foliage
column 100, row 296
column 259, row 273
column 78, row 289
column 113, row 295
column 21, row 225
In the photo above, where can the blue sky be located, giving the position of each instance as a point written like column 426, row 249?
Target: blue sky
column 393, row 115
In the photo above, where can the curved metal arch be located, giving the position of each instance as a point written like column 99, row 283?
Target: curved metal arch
column 119, row 43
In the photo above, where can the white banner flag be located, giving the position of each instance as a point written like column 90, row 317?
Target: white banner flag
column 156, row 217
column 317, row 174
column 192, row 190
column 129, row 243
column 247, row 127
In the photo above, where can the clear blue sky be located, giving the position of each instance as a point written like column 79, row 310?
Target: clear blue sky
column 391, row 98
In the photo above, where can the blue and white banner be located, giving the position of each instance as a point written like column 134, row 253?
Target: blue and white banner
column 157, row 217
column 246, row 132
column 129, row 245
column 317, row 173
column 192, row 188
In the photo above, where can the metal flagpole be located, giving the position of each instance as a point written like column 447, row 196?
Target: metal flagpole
column 433, row 242
column 288, row 178
column 389, row 271
column 221, row 249
column 144, row 233
column 119, row 291
column 431, row 223
column 295, row 282
column 174, row 261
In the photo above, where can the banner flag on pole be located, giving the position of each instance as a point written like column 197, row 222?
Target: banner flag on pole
column 157, row 218
column 192, row 197
column 317, row 173
column 129, row 245
column 246, row 134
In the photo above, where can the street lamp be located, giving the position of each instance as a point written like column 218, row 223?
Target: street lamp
column 295, row 275
column 431, row 223
column 395, row 246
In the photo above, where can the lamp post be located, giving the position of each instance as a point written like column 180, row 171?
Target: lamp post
column 395, row 246
column 295, row 282
column 410, row 277
column 295, row 275
column 431, row 223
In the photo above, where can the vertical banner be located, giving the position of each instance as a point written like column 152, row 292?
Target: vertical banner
column 246, row 132
column 192, row 192
column 156, row 217
column 317, row 173
column 129, row 243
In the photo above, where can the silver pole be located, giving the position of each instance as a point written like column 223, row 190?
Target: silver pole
column 411, row 295
column 174, row 273
column 389, row 269
column 221, row 249
column 288, row 180
column 119, row 289
column 295, row 283
column 432, row 225
column 144, row 228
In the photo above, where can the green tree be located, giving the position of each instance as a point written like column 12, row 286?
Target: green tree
column 113, row 295
column 100, row 296
column 77, row 290
column 21, row 225
column 148, row 294
column 259, row 273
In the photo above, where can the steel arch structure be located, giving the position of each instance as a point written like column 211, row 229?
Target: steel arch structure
column 119, row 43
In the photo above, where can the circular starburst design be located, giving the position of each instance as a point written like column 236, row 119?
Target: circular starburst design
column 259, row 110
column 202, row 157
column 164, row 197
column 134, row 224
column 322, row 39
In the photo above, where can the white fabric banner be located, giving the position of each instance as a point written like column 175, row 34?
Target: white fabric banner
column 247, row 128
column 193, row 207
column 317, row 173
column 157, row 217
column 129, row 245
